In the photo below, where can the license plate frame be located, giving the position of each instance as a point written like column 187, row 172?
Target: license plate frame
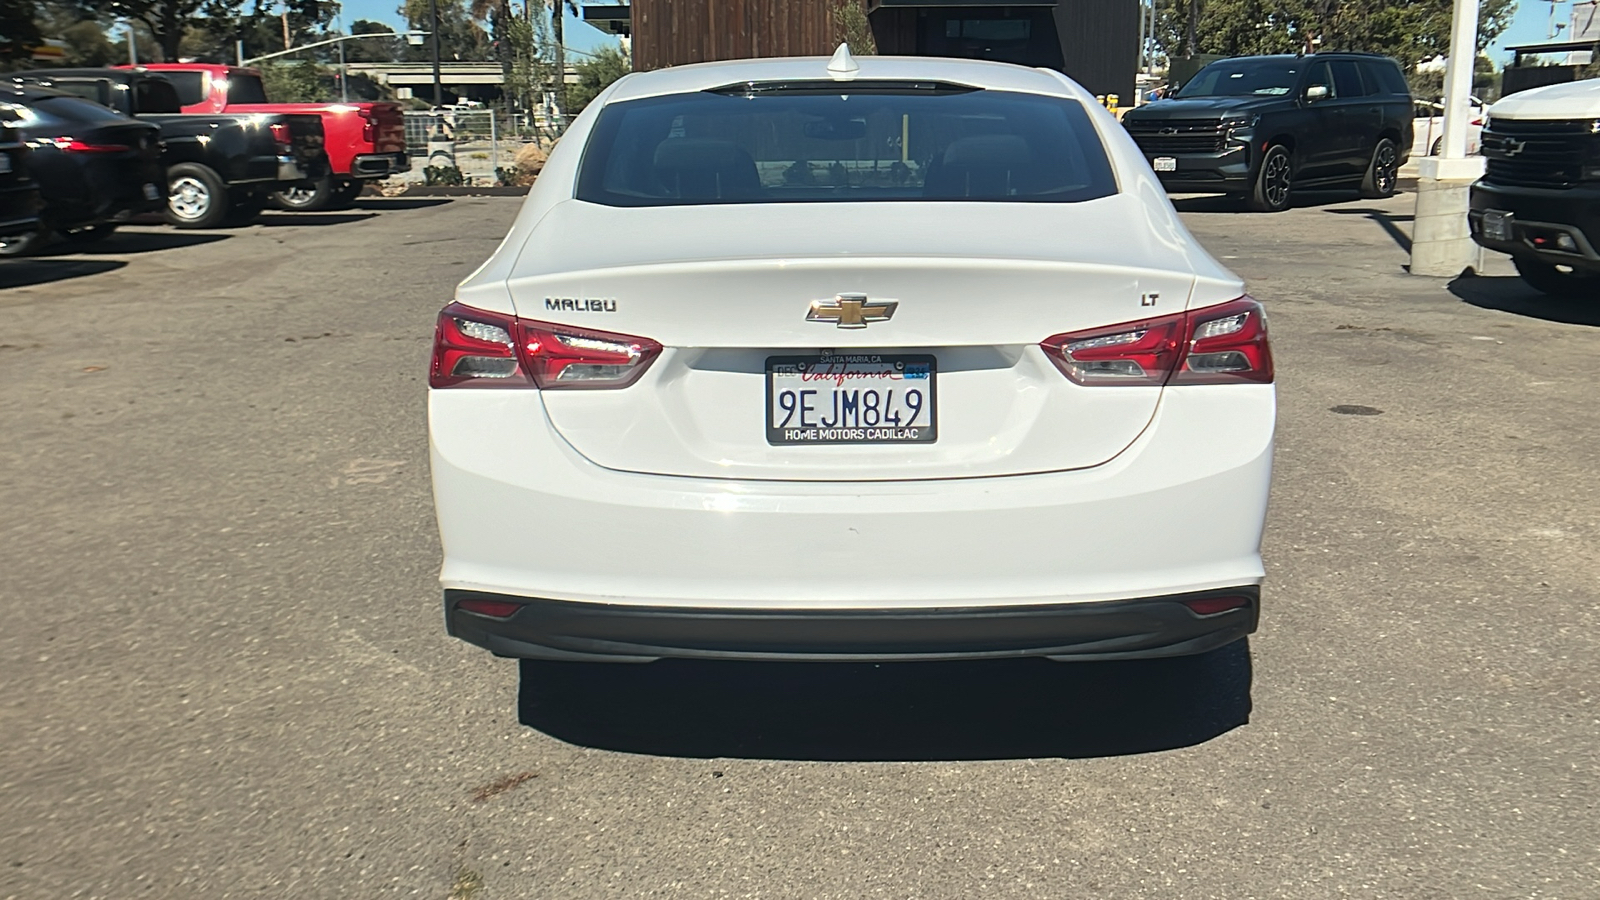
column 1164, row 164
column 1499, row 225
column 781, row 373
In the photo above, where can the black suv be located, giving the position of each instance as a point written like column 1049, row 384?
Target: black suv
column 1260, row 126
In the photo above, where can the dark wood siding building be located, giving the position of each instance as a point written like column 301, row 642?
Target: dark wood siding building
column 1092, row 41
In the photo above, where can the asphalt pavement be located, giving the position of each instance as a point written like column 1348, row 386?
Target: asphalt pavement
column 225, row 672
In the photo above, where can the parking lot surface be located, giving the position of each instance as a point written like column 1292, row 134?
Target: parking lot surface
column 226, row 674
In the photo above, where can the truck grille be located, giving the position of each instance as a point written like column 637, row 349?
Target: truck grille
column 1536, row 154
column 1178, row 135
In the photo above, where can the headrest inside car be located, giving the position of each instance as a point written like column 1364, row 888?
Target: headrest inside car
column 988, row 150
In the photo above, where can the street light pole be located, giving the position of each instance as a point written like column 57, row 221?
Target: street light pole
column 438, row 95
column 1442, row 242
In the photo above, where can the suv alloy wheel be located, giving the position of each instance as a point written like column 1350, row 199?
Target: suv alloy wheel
column 1383, row 172
column 1274, row 181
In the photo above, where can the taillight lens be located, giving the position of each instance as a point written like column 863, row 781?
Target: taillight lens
column 73, row 145
column 369, row 128
column 1220, row 344
column 281, row 137
column 474, row 348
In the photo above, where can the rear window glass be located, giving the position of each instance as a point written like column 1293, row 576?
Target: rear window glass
column 97, row 91
column 1386, row 78
column 869, row 144
column 244, row 88
column 73, row 109
column 191, row 86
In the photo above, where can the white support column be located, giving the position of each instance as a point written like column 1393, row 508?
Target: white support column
column 1441, row 244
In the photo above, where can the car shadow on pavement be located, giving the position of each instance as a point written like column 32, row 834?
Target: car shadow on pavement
column 28, row 272
column 380, row 203
column 1508, row 293
column 277, row 219
column 988, row 709
column 1387, row 221
column 123, row 242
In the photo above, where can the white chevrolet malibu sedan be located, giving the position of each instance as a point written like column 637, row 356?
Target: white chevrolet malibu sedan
column 877, row 359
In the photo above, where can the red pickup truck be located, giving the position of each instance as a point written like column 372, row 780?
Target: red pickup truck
column 364, row 140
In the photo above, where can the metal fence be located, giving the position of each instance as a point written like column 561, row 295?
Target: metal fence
column 482, row 144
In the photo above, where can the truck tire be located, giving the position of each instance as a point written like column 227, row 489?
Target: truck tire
column 307, row 196
column 196, row 197
column 88, row 234
column 1274, row 181
column 1546, row 278
column 345, row 193
column 23, row 244
column 1383, row 172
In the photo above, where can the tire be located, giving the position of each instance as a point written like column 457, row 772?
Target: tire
column 88, row 234
column 307, row 196
column 345, row 194
column 1548, row 279
column 1274, row 181
column 245, row 209
column 23, row 244
column 1383, row 171
column 1438, row 147
column 196, row 197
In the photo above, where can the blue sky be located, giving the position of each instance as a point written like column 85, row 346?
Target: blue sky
column 1530, row 26
column 579, row 36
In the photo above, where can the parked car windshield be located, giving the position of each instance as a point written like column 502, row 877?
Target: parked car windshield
column 1244, row 78
column 810, row 143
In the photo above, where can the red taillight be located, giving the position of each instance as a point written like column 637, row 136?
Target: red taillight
column 369, row 128
column 475, row 348
column 1210, row 606
column 1478, row 121
column 281, row 137
column 1220, row 344
column 73, row 145
column 499, row 609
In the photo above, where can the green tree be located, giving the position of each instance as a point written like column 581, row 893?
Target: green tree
column 595, row 74
column 293, row 82
column 168, row 20
column 460, row 37
column 373, row 49
column 1408, row 30
column 19, row 33
column 528, row 50
column 851, row 23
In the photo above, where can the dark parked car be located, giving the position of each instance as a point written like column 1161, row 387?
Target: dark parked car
column 95, row 168
column 221, row 167
column 1260, row 127
column 19, row 196
column 1540, row 198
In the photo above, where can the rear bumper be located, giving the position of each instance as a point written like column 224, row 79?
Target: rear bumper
column 1117, row 629
column 1180, row 511
column 1541, row 216
column 379, row 165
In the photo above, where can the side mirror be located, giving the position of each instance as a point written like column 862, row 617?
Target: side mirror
column 1316, row 92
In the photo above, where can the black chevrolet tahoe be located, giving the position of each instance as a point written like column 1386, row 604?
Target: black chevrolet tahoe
column 1260, row 127
column 1539, row 199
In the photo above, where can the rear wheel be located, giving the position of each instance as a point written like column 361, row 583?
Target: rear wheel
column 196, row 197
column 307, row 196
column 1383, row 172
column 1438, row 147
column 22, row 244
column 88, row 234
column 1558, row 281
column 1273, row 182
column 345, row 194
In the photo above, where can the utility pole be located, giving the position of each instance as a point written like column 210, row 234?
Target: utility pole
column 561, row 56
column 438, row 94
column 133, row 49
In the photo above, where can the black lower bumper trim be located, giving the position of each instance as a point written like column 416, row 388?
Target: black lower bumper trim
column 1114, row 629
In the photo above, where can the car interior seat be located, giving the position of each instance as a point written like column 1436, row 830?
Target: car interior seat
column 700, row 169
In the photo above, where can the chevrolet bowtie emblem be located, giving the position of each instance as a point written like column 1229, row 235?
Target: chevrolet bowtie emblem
column 851, row 310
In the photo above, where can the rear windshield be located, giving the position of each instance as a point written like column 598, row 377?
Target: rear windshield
column 245, row 88
column 191, row 86
column 78, row 111
column 1245, row 78
column 871, row 143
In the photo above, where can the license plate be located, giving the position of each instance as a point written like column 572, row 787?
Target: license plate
column 851, row 398
column 151, row 192
column 1497, row 224
column 1164, row 164
column 5, row 164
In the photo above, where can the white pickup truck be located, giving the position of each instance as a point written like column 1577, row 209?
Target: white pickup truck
column 1539, row 199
